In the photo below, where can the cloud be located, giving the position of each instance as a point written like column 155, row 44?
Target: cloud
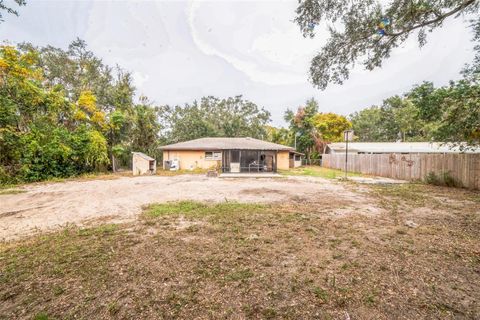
column 270, row 57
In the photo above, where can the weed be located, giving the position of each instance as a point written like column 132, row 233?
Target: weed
column 113, row 308
column 57, row 290
column 443, row 179
column 42, row 316
column 11, row 191
column 269, row 313
column 409, row 193
column 103, row 230
column 162, row 172
column 337, row 256
column 199, row 209
column 316, row 171
column 370, row 298
column 321, row 294
column 239, row 275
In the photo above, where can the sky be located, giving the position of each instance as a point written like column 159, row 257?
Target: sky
column 179, row 51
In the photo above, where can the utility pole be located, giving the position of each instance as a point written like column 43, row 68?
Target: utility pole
column 297, row 134
column 347, row 137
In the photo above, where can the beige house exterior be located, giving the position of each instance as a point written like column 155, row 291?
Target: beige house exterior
column 230, row 155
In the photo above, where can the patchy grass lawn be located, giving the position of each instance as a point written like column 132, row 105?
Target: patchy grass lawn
column 234, row 260
column 101, row 175
column 317, row 171
column 10, row 191
column 162, row 172
column 81, row 177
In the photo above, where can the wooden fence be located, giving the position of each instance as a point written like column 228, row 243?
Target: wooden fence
column 463, row 168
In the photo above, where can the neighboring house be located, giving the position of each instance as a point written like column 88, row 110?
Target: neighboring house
column 231, row 155
column 394, row 147
column 143, row 164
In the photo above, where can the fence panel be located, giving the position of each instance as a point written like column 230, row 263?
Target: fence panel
column 463, row 168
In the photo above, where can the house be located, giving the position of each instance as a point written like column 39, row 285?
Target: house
column 231, row 155
column 143, row 164
column 394, row 147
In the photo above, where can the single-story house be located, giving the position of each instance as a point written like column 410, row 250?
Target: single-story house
column 394, row 147
column 231, row 155
column 143, row 164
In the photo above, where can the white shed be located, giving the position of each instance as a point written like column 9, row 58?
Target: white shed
column 143, row 164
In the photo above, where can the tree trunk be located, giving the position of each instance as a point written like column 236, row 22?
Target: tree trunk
column 113, row 163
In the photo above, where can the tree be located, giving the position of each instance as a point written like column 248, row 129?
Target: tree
column 279, row 135
column 314, row 130
column 367, row 124
column 330, row 127
column 453, row 111
column 301, row 125
column 366, row 32
column 214, row 117
column 40, row 137
column 8, row 9
column 78, row 70
column 146, row 129
column 89, row 83
column 426, row 113
column 398, row 118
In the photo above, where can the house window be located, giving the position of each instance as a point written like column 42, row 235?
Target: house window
column 298, row 157
column 213, row 155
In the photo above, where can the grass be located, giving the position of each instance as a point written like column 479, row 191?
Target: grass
column 410, row 193
column 242, row 260
column 162, row 172
column 81, row 177
column 11, row 191
column 316, row 171
column 199, row 209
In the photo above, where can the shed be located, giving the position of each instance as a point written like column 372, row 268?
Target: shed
column 143, row 164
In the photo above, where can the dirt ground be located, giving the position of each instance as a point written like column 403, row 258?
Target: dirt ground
column 296, row 248
column 48, row 206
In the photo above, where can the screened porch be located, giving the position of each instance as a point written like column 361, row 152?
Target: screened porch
column 249, row 161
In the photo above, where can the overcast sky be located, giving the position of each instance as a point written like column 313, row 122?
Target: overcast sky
column 181, row 51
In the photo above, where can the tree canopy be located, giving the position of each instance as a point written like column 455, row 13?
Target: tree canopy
column 446, row 114
column 214, row 117
column 40, row 136
column 366, row 31
column 313, row 129
column 10, row 9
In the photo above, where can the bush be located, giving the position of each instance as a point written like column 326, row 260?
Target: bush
column 58, row 153
column 432, row 178
column 444, row 179
column 449, row 181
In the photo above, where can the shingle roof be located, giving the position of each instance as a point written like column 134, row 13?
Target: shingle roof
column 143, row 155
column 398, row 147
column 225, row 144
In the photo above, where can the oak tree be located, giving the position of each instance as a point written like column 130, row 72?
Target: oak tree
column 366, row 31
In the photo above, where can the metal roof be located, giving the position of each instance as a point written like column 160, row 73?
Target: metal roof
column 399, row 147
column 143, row 155
column 226, row 144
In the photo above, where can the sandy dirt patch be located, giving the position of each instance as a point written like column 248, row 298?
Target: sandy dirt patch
column 49, row 206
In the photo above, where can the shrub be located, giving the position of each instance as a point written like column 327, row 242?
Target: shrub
column 432, row 178
column 444, row 179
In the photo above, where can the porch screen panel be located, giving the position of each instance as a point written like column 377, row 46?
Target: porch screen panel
column 248, row 160
column 235, row 155
column 226, row 161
